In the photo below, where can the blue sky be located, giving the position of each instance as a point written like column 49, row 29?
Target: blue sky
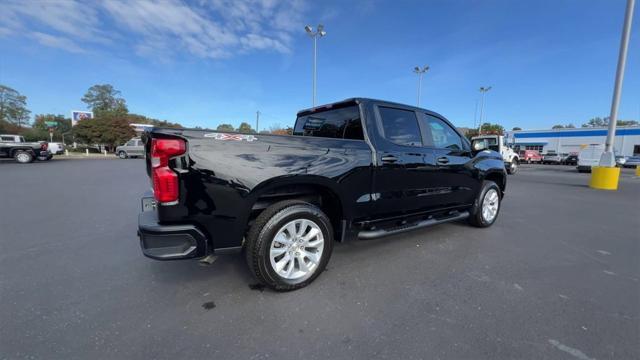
column 218, row 61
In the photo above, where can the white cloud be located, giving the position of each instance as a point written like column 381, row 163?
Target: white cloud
column 209, row 29
column 56, row 42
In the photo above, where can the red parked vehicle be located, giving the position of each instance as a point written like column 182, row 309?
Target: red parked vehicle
column 530, row 156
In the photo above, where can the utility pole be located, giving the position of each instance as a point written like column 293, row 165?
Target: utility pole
column 318, row 33
column 475, row 115
column 258, row 121
column 608, row 159
column 606, row 175
column 483, row 90
column 420, row 72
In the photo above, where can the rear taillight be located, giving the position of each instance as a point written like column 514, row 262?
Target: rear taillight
column 165, row 180
column 44, row 146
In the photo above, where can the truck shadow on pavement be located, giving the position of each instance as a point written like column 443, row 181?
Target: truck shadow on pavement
column 230, row 273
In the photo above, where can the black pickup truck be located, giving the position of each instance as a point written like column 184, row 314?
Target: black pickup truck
column 14, row 146
column 359, row 168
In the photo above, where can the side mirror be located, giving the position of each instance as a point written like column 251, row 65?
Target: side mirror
column 479, row 145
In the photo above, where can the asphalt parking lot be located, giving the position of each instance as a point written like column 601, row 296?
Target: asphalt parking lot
column 557, row 277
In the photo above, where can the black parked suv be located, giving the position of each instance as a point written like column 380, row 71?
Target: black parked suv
column 571, row 159
column 356, row 169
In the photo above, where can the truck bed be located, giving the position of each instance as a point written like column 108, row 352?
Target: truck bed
column 227, row 173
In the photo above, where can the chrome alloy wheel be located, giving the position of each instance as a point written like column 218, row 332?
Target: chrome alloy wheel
column 23, row 157
column 490, row 205
column 296, row 249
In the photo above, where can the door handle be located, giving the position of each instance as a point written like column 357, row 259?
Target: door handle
column 443, row 160
column 389, row 159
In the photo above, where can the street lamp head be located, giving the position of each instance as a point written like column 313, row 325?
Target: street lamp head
column 416, row 69
column 308, row 29
column 425, row 68
column 320, row 28
column 322, row 33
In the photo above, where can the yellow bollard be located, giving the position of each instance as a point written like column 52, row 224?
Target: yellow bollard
column 637, row 170
column 604, row 178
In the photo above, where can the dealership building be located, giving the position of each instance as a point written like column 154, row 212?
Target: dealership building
column 627, row 140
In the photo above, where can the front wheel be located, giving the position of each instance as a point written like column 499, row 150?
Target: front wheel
column 122, row 155
column 289, row 245
column 487, row 205
column 513, row 167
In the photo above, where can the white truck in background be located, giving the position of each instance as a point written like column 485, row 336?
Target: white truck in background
column 498, row 143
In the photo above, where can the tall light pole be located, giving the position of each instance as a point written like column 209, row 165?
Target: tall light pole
column 483, row 90
column 315, row 34
column 420, row 72
column 258, row 121
column 608, row 159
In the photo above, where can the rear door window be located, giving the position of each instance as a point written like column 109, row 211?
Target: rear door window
column 400, row 126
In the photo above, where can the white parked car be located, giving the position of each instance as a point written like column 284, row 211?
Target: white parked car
column 56, row 148
column 589, row 157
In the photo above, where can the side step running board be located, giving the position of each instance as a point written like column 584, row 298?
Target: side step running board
column 373, row 234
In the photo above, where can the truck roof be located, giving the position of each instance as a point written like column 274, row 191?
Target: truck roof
column 359, row 100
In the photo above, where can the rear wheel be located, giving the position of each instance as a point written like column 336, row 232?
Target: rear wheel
column 289, row 245
column 23, row 157
column 487, row 205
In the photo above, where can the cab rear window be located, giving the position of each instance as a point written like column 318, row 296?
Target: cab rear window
column 341, row 123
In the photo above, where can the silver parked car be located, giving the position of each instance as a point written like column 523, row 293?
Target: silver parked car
column 553, row 157
column 632, row 161
column 133, row 148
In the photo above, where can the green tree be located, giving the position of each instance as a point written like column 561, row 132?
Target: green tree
column 34, row 134
column 557, row 127
column 488, row 128
column 110, row 131
column 225, row 127
column 471, row 133
column 141, row 119
column 279, row 130
column 63, row 125
column 596, row 122
column 102, row 99
column 627, row 123
column 13, row 107
column 516, row 128
column 245, row 128
column 602, row 122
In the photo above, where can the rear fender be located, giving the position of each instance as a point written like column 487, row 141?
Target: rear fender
column 303, row 187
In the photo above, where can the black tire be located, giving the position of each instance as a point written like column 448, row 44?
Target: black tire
column 476, row 218
column 122, row 155
column 23, row 157
column 513, row 167
column 263, row 231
